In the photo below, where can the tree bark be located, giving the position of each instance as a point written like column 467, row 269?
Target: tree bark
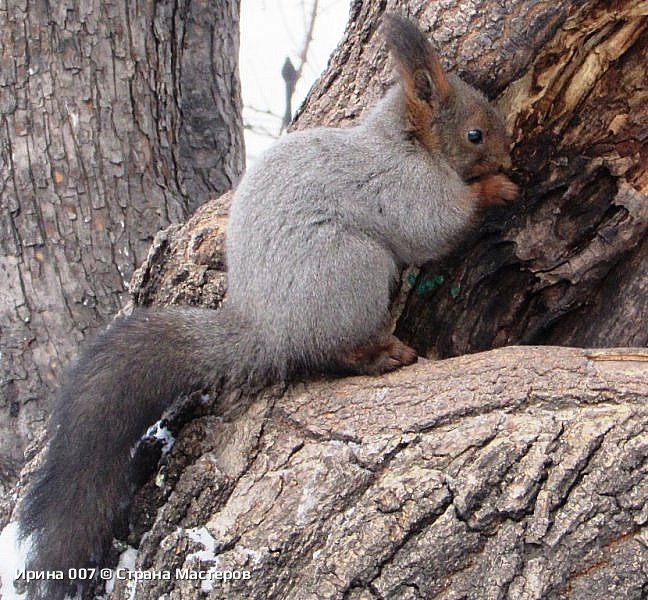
column 109, row 131
column 516, row 473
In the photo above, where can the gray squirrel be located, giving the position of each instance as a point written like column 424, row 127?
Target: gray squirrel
column 319, row 231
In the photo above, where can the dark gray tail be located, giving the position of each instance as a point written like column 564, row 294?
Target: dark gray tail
column 121, row 384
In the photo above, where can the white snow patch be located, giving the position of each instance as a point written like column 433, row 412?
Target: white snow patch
column 127, row 562
column 14, row 556
column 160, row 432
column 201, row 536
column 255, row 555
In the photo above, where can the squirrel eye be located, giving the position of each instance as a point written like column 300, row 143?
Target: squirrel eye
column 475, row 136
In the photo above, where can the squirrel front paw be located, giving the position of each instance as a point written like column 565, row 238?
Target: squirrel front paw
column 493, row 190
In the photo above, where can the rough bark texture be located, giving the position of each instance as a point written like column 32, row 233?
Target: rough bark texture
column 186, row 264
column 516, row 473
column 109, row 131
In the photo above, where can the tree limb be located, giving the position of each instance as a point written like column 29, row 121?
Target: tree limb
column 518, row 473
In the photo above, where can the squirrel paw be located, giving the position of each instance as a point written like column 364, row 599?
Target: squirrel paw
column 375, row 360
column 493, row 190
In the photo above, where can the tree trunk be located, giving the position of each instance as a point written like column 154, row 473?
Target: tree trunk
column 109, row 131
column 515, row 473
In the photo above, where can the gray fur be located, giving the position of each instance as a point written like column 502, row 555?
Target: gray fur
column 319, row 230
column 326, row 246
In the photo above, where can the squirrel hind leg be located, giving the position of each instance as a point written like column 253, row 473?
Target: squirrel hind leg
column 387, row 355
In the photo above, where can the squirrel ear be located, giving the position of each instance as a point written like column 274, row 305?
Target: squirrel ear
column 423, row 85
column 418, row 63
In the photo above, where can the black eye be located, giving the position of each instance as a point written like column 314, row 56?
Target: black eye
column 475, row 136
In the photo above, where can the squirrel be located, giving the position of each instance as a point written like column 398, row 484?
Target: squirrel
column 319, row 231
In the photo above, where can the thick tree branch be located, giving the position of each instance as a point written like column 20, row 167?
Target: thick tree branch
column 516, row 473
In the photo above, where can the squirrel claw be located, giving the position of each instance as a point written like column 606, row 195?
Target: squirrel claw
column 494, row 190
column 375, row 360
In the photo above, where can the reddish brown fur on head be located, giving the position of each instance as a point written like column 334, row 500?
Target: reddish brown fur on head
column 425, row 83
column 445, row 114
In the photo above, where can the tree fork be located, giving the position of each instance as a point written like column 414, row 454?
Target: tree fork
column 513, row 473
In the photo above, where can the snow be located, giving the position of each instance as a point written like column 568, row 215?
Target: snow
column 13, row 556
column 127, row 562
column 201, row 536
column 160, row 432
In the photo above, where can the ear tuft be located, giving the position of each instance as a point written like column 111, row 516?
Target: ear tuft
column 420, row 67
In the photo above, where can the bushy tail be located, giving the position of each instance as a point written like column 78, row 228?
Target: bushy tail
column 121, row 384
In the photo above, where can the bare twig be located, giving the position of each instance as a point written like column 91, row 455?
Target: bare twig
column 291, row 74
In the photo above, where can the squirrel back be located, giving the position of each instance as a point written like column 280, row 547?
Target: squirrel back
column 319, row 231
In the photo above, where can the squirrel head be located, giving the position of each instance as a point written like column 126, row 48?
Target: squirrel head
column 445, row 114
